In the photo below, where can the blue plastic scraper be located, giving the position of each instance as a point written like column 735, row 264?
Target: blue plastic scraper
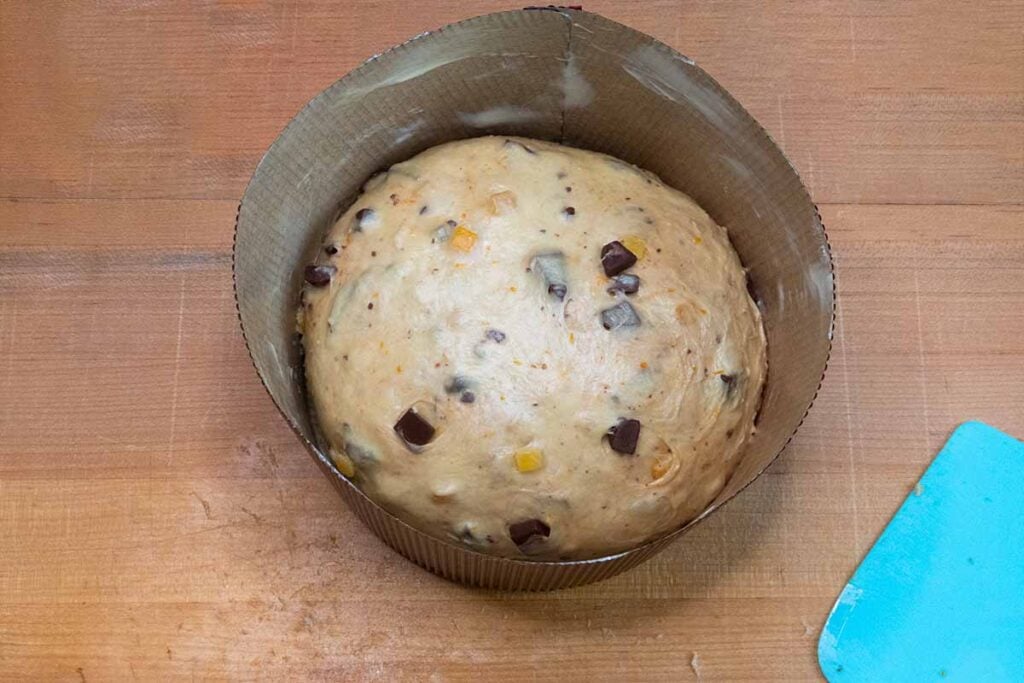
column 940, row 597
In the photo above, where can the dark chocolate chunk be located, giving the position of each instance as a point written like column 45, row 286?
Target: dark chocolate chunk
column 443, row 231
column 551, row 267
column 495, row 335
column 320, row 276
column 627, row 283
column 456, row 384
column 516, row 143
column 330, row 250
column 623, row 436
column 619, row 315
column 414, row 429
column 467, row 397
column 362, row 217
column 615, row 258
column 569, row 211
column 369, row 306
column 528, row 530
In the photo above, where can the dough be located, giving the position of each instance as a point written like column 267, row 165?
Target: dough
column 531, row 350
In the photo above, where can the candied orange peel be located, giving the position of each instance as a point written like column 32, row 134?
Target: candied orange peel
column 635, row 244
column 463, row 239
column 528, row 459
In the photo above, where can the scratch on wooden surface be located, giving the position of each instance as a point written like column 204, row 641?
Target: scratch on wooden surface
column 8, row 320
column 88, row 177
column 206, row 505
column 922, row 366
column 848, row 418
column 853, row 41
column 177, row 367
column 252, row 514
column 131, row 447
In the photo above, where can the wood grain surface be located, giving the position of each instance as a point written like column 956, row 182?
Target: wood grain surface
column 159, row 520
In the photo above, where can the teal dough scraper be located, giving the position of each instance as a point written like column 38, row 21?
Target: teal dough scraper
column 940, row 597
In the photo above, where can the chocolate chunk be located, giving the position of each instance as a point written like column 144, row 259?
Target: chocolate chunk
column 516, row 143
column 330, row 250
column 414, row 429
column 623, row 436
column 627, row 283
column 443, row 231
column 394, row 199
column 320, row 276
column 615, row 258
column 495, row 335
column 460, row 385
column 456, row 384
column 568, row 188
column 569, row 211
column 528, row 530
column 363, row 219
column 551, row 267
column 619, row 315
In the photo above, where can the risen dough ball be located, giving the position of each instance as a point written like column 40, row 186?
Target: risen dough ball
column 462, row 369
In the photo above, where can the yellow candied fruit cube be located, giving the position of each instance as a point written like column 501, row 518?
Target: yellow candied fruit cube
column 528, row 459
column 635, row 244
column 344, row 464
column 697, row 239
column 463, row 239
column 659, row 469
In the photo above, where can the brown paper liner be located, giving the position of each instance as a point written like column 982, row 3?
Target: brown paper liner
column 555, row 74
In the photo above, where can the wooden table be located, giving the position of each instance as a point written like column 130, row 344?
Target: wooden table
column 157, row 517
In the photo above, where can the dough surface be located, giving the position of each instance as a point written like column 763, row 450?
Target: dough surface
column 462, row 303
